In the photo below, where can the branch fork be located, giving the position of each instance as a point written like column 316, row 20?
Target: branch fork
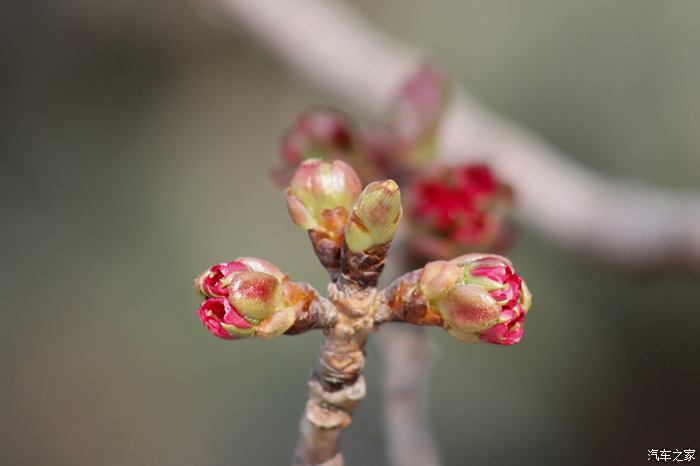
column 475, row 297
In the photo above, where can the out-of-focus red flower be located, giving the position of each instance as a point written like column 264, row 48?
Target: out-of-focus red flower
column 454, row 209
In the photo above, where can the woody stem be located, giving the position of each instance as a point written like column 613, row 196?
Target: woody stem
column 336, row 385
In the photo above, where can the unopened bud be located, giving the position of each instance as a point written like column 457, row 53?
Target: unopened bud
column 417, row 113
column 246, row 299
column 318, row 192
column 211, row 282
column 319, row 133
column 480, row 297
column 260, row 265
column 255, row 294
column 223, row 320
column 375, row 216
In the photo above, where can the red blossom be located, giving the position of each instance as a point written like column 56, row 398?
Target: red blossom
column 460, row 204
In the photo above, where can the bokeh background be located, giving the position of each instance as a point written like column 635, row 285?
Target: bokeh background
column 134, row 143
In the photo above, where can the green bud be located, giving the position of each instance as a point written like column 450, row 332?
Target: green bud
column 318, row 188
column 375, row 216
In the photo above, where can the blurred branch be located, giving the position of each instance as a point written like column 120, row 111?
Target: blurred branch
column 329, row 44
column 407, row 355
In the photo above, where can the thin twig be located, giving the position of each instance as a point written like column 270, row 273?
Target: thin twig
column 408, row 356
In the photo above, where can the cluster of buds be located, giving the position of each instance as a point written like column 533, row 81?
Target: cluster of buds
column 244, row 298
column 475, row 297
column 341, row 218
column 478, row 296
column 454, row 209
column 406, row 143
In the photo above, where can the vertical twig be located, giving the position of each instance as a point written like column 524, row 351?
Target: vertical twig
column 336, row 384
column 408, row 355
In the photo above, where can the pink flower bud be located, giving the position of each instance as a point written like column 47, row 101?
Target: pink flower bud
column 417, row 113
column 497, row 276
column 458, row 208
column 317, row 190
column 211, row 283
column 479, row 296
column 246, row 299
column 223, row 320
column 318, row 133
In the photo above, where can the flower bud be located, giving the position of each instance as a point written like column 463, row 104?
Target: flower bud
column 256, row 295
column 320, row 133
column 480, row 297
column 318, row 191
column 211, row 283
column 260, row 265
column 223, row 320
column 245, row 299
column 375, row 216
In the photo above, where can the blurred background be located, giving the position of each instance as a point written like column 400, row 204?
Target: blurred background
column 134, row 148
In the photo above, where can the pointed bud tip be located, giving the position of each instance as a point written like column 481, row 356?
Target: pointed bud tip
column 375, row 216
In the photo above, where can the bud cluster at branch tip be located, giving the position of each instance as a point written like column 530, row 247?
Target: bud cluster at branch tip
column 244, row 298
column 479, row 296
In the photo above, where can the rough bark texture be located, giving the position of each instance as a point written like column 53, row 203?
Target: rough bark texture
column 362, row 269
column 336, row 384
column 327, row 251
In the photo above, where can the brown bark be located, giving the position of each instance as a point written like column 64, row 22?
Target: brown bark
column 336, row 384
